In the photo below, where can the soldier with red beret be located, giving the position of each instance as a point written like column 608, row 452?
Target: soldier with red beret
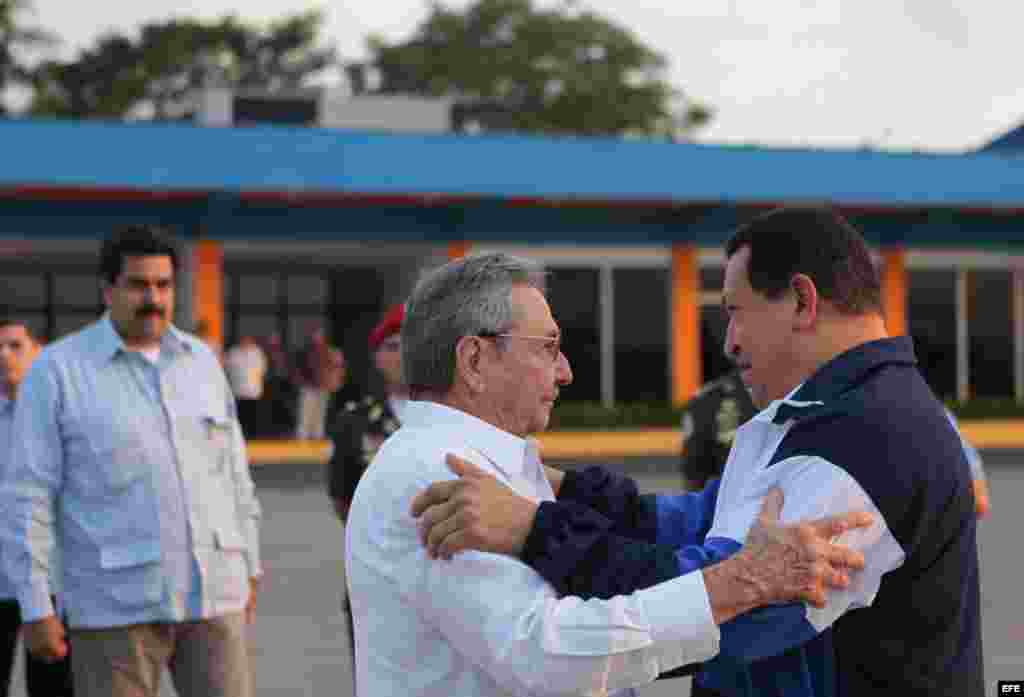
column 362, row 426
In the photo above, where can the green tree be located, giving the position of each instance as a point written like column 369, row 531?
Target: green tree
column 17, row 37
column 523, row 68
column 104, row 81
column 152, row 75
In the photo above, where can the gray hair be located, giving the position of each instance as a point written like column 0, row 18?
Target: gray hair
column 465, row 297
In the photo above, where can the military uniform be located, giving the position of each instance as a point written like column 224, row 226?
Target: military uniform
column 357, row 433
column 709, row 425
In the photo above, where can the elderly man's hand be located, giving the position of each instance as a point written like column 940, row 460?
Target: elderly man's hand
column 801, row 561
column 475, row 511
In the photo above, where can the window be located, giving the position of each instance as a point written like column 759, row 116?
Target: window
column 260, row 301
column 642, row 334
column 572, row 294
column 713, row 325
column 258, row 325
column 78, row 291
column 23, row 292
column 990, row 332
column 255, row 290
column 307, row 290
column 931, row 320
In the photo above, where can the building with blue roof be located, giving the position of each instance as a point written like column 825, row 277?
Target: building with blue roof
column 289, row 225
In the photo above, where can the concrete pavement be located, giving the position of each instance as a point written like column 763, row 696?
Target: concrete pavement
column 299, row 643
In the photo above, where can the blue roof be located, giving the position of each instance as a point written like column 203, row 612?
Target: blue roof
column 174, row 157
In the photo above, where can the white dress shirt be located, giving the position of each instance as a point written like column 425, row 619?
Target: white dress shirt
column 485, row 624
column 246, row 368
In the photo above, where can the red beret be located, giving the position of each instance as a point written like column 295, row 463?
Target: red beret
column 390, row 324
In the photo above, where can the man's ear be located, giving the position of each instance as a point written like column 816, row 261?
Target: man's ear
column 469, row 357
column 807, row 301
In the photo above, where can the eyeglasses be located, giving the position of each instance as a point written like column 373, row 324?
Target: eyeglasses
column 552, row 344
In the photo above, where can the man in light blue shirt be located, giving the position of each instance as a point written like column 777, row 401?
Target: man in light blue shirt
column 18, row 348
column 128, row 457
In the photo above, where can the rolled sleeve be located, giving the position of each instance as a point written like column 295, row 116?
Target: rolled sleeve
column 816, row 488
column 497, row 612
column 680, row 611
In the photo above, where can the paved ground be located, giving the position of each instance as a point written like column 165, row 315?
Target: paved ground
column 299, row 643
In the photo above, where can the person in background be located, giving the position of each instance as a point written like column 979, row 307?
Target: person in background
column 128, row 465
column 280, row 392
column 361, row 427
column 319, row 373
column 246, row 368
column 981, row 501
column 18, row 348
column 709, row 424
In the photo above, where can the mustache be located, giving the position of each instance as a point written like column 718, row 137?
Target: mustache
column 150, row 310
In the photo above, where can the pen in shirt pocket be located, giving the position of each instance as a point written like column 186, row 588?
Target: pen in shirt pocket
column 216, row 429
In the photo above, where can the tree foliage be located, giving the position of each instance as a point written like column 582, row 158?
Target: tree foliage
column 524, row 68
column 18, row 36
column 152, row 74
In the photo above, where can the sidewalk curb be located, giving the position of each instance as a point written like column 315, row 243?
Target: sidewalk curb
column 1004, row 434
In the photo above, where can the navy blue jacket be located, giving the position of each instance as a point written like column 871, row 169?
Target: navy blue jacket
column 869, row 413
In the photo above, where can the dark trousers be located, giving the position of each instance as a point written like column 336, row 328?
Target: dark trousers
column 252, row 416
column 41, row 679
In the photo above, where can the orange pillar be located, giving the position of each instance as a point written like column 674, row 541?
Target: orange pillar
column 208, row 289
column 685, row 339
column 894, row 290
column 457, row 249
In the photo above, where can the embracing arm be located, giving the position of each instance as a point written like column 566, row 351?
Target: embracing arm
column 581, row 551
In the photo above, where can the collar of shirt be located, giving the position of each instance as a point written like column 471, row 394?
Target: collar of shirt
column 109, row 343
column 510, row 454
column 6, row 405
column 838, row 376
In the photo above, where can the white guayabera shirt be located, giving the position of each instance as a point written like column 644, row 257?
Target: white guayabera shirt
column 485, row 624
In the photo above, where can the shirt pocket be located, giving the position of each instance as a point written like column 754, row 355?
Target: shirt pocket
column 119, row 459
column 132, row 574
column 229, row 540
column 209, row 436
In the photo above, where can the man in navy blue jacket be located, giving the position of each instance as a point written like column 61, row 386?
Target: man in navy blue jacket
column 847, row 423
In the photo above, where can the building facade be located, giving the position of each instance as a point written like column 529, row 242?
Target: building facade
column 284, row 227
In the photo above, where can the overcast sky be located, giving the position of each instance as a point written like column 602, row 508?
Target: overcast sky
column 926, row 74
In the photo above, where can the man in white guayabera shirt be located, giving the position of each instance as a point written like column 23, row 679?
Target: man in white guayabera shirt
column 482, row 358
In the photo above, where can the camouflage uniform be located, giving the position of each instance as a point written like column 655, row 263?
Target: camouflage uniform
column 709, row 426
column 357, row 433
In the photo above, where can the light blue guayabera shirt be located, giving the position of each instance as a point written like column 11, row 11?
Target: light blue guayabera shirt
column 138, row 471
column 6, row 415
